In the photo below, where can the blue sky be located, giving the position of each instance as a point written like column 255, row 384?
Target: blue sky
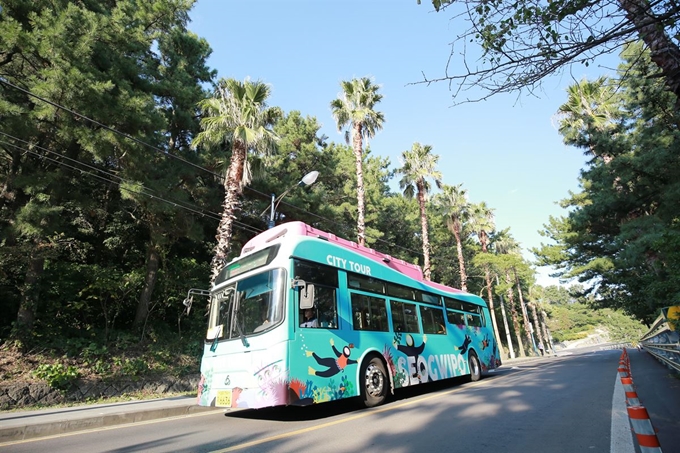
column 505, row 151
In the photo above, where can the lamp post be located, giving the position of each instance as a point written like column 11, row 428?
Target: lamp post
column 307, row 180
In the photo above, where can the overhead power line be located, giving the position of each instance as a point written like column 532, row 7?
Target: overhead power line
column 145, row 192
column 173, row 156
column 141, row 142
column 110, row 129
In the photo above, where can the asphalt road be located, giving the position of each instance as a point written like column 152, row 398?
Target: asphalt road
column 563, row 404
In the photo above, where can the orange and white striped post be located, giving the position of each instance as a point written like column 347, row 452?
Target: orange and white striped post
column 624, row 365
column 644, row 431
column 629, row 389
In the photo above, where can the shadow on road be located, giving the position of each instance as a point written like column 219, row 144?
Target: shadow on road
column 349, row 405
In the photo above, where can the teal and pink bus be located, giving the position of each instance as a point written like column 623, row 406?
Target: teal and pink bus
column 304, row 317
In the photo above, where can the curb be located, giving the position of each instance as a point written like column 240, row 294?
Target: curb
column 69, row 425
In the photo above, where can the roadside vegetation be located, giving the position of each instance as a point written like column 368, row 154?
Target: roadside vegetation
column 578, row 321
column 123, row 358
column 112, row 207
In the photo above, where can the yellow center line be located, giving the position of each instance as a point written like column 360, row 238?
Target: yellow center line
column 364, row 414
column 367, row 413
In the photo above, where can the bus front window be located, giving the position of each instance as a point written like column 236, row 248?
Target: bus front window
column 256, row 305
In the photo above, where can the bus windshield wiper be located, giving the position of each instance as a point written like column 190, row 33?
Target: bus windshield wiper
column 213, row 346
column 244, row 340
column 242, row 335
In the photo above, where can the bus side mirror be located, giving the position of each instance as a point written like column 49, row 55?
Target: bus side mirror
column 306, row 293
column 190, row 297
column 187, row 303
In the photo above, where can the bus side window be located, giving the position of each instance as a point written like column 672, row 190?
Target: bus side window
column 404, row 317
column 473, row 320
column 327, row 309
column 325, row 281
column 433, row 320
column 455, row 317
column 369, row 313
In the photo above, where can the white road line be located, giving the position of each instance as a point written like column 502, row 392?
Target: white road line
column 621, row 437
column 108, row 428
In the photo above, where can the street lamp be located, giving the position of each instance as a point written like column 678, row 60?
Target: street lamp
column 307, row 180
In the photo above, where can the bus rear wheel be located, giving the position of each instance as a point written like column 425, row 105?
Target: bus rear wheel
column 475, row 367
column 374, row 382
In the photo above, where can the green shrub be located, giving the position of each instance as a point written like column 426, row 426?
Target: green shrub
column 57, row 376
column 133, row 367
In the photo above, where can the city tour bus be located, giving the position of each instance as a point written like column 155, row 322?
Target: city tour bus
column 304, row 317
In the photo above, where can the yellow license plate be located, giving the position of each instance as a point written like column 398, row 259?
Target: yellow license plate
column 223, row 398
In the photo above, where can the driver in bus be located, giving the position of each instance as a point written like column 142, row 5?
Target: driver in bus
column 263, row 307
column 310, row 318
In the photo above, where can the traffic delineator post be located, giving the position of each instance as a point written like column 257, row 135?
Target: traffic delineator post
column 637, row 414
column 624, row 365
column 629, row 389
column 625, row 359
column 644, row 431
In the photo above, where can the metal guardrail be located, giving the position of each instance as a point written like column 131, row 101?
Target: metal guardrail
column 610, row 346
column 663, row 340
column 669, row 355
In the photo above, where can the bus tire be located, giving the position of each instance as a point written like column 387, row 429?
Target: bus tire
column 475, row 367
column 374, row 382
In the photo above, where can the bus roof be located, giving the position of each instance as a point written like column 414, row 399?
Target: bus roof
column 302, row 229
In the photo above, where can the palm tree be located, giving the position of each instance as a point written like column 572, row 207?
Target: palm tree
column 418, row 164
column 453, row 204
column 481, row 221
column 356, row 108
column 589, row 112
column 237, row 116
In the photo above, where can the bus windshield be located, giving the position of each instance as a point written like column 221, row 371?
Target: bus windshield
column 249, row 306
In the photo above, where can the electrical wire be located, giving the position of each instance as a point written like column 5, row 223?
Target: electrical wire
column 110, row 129
column 146, row 192
column 168, row 154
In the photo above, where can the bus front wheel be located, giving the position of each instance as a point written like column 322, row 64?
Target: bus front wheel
column 374, row 382
column 475, row 367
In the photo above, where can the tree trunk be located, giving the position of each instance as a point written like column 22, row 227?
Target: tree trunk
column 507, row 329
column 489, row 295
column 232, row 190
column 28, row 308
column 546, row 331
column 515, row 318
column 461, row 263
column 525, row 316
column 537, row 326
column 492, row 311
column 664, row 52
column 423, row 226
column 152, row 264
column 358, row 153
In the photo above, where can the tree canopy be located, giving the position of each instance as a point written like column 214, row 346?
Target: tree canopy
column 113, row 157
column 620, row 238
column 521, row 42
